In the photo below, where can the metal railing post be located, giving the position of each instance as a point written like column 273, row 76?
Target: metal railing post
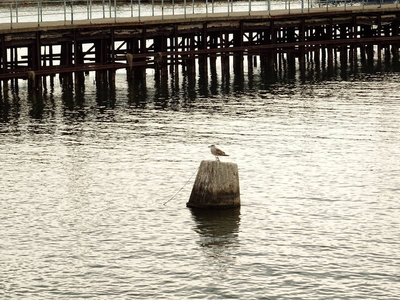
column 72, row 11
column 91, row 4
column 38, row 13
column 16, row 11
column 249, row 7
column 115, row 11
column 65, row 12
column 139, row 10
column 184, row 8
column 11, row 15
column 131, row 8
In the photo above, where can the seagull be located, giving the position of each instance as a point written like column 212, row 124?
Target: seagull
column 217, row 152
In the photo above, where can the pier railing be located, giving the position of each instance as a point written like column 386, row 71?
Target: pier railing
column 38, row 11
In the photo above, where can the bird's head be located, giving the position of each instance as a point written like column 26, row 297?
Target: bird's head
column 211, row 146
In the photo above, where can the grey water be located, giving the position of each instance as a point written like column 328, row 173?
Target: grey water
column 95, row 179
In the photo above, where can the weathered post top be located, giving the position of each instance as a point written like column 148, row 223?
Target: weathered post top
column 216, row 186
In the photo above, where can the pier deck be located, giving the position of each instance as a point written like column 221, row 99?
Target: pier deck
column 104, row 45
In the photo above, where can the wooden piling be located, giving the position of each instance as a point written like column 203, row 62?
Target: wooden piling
column 216, row 186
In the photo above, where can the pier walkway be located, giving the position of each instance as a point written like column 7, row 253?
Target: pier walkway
column 31, row 49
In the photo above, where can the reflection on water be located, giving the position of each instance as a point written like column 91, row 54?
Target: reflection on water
column 217, row 229
column 86, row 167
column 173, row 91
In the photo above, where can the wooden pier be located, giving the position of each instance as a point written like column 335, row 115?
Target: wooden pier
column 356, row 33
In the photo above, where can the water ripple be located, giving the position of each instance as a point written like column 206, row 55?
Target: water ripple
column 82, row 212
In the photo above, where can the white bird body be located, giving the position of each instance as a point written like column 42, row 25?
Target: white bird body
column 217, row 152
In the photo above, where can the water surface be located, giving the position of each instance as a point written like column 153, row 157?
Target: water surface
column 85, row 173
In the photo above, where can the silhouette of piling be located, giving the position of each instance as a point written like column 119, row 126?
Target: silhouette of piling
column 216, row 186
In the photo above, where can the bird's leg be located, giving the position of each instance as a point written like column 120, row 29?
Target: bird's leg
column 217, row 158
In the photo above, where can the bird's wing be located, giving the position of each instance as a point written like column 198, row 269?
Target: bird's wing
column 220, row 152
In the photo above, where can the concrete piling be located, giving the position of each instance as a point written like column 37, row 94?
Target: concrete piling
column 216, row 186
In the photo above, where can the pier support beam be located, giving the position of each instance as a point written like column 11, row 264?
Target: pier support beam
column 3, row 65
